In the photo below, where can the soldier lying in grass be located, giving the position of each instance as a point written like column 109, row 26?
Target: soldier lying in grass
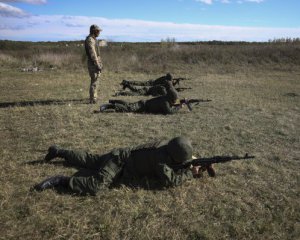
column 151, row 87
column 152, row 160
column 159, row 81
column 167, row 104
column 157, row 90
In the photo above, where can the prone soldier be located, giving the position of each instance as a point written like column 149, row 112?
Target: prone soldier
column 166, row 104
column 157, row 90
column 159, row 81
column 152, row 160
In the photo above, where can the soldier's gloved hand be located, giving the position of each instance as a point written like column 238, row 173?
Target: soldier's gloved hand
column 210, row 170
column 196, row 171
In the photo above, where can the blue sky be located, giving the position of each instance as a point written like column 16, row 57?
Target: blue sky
column 141, row 20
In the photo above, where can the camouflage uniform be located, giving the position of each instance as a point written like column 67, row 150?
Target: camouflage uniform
column 159, row 81
column 94, row 64
column 152, row 160
column 98, row 172
column 123, row 106
column 158, row 90
column 158, row 105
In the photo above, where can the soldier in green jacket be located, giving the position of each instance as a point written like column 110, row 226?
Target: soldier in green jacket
column 94, row 60
column 157, row 90
column 166, row 104
column 152, row 160
column 159, row 81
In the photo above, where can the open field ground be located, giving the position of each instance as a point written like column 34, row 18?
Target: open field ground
column 256, row 107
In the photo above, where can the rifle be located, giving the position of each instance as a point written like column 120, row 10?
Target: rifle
column 180, row 89
column 177, row 80
column 205, row 163
column 194, row 101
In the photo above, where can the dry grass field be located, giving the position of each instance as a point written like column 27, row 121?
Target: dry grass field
column 255, row 90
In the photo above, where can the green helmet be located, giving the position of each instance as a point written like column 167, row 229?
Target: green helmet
column 180, row 149
column 172, row 94
column 169, row 77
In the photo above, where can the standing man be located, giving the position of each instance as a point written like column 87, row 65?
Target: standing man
column 94, row 60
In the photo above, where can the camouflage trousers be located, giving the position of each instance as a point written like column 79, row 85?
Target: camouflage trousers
column 139, row 89
column 122, row 106
column 143, row 91
column 141, row 83
column 95, row 75
column 96, row 171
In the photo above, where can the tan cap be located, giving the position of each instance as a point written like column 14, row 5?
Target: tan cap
column 95, row 27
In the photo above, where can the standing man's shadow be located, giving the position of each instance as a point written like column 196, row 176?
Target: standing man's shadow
column 42, row 103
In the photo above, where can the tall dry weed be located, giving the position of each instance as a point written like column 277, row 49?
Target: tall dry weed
column 56, row 59
column 7, row 59
column 153, row 57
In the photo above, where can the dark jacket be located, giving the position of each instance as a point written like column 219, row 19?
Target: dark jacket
column 153, row 161
column 159, row 105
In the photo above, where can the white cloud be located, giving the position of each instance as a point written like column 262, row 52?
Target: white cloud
column 26, row 1
column 209, row 2
column 10, row 11
column 59, row 27
column 251, row 1
column 7, row 10
column 205, row 1
column 224, row 1
column 256, row 1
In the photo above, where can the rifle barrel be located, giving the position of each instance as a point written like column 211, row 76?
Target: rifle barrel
column 216, row 159
column 199, row 100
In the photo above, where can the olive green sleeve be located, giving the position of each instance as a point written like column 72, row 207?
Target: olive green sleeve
column 169, row 177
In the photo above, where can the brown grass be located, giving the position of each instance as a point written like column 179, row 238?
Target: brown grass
column 255, row 109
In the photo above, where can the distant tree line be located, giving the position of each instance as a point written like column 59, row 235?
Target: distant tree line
column 284, row 40
column 171, row 41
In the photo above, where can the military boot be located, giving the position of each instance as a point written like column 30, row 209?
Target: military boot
column 124, row 84
column 93, row 101
column 52, row 153
column 106, row 107
column 52, row 182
